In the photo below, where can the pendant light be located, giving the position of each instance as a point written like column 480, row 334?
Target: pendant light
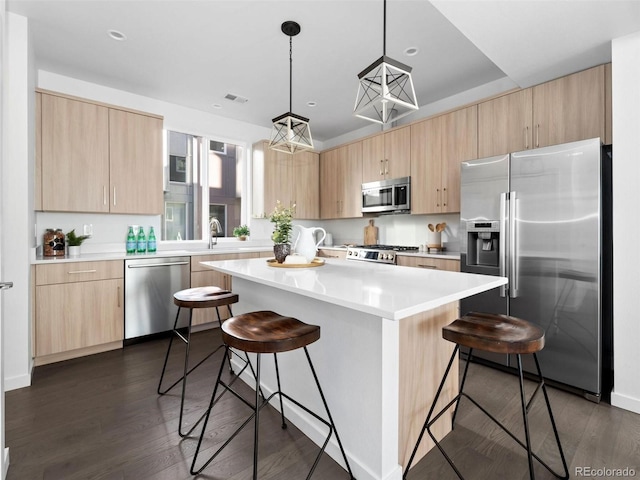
column 385, row 91
column 291, row 132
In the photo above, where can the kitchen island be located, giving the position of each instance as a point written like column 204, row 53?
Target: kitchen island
column 380, row 356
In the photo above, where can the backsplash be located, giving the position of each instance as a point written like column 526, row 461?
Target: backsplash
column 111, row 230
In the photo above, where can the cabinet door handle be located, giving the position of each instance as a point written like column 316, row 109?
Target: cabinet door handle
column 82, row 271
column 432, row 267
column 526, row 137
column 437, row 197
column 386, row 167
column 381, row 167
column 104, row 195
column 118, row 295
column 537, row 135
column 114, row 196
column 446, row 197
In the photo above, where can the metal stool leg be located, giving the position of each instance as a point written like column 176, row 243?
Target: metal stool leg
column 166, row 359
column 256, row 427
column 275, row 360
column 525, row 417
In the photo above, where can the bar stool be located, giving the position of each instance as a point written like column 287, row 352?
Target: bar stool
column 498, row 334
column 193, row 298
column 267, row 332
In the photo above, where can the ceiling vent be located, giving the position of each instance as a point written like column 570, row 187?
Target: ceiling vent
column 236, row 98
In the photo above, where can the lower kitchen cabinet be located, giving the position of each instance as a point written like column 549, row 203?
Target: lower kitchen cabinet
column 78, row 309
column 332, row 253
column 429, row 262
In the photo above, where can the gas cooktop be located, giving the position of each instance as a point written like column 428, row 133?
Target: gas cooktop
column 376, row 253
column 395, row 248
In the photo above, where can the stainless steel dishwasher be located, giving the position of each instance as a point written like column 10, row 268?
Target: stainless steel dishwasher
column 149, row 285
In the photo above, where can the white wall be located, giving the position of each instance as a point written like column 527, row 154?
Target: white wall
column 626, row 228
column 17, row 200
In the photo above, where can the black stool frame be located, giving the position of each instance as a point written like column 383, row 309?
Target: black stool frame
column 187, row 370
column 257, row 406
column 525, row 411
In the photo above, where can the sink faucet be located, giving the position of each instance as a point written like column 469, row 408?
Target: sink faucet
column 214, row 229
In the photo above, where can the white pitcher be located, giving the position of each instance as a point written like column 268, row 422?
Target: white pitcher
column 305, row 243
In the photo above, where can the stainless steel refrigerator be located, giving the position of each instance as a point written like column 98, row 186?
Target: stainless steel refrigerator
column 542, row 218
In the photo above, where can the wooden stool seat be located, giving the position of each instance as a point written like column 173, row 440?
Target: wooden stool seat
column 268, row 332
column 495, row 333
column 204, row 297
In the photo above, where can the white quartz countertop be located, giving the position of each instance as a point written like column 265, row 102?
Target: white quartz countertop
column 388, row 291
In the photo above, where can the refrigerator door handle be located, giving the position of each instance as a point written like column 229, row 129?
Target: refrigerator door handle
column 502, row 261
column 513, row 242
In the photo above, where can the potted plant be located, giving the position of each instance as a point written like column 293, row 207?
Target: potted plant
column 281, row 236
column 241, row 232
column 74, row 241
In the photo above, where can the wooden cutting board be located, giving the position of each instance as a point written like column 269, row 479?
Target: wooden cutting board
column 370, row 234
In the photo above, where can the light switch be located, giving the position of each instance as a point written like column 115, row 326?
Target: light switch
column 88, row 229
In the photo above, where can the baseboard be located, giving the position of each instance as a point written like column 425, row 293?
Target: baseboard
column 5, row 463
column 625, row 402
column 20, row 381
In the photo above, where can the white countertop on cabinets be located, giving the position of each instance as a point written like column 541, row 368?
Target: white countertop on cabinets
column 100, row 256
column 387, row 291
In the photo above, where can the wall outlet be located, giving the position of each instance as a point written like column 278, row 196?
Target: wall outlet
column 88, row 229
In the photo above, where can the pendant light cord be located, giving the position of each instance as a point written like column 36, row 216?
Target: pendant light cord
column 384, row 28
column 290, row 72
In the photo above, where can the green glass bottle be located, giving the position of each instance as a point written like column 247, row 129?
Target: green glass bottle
column 142, row 241
column 131, row 242
column 151, row 241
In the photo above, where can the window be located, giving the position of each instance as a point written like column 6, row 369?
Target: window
column 203, row 179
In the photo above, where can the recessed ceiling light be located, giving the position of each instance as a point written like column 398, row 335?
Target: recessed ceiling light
column 411, row 51
column 117, row 35
column 216, row 105
column 311, row 104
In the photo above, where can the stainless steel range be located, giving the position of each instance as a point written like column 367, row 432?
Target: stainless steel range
column 377, row 253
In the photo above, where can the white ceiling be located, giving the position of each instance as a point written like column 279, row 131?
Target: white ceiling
column 193, row 53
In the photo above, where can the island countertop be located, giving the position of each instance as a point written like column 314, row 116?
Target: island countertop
column 389, row 291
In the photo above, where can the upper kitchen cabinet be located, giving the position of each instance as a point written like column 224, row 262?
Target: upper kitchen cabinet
column 504, row 124
column 118, row 154
column 387, row 155
column 75, row 155
column 341, row 180
column 290, row 179
column 135, row 154
column 438, row 146
column 570, row 108
column 575, row 107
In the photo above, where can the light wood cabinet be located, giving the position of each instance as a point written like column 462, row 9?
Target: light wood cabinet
column 341, row 180
column 505, row 124
column 387, row 155
column 202, row 276
column 332, row 253
column 75, row 155
column 78, row 309
column 438, row 146
column 135, row 154
column 429, row 263
column 94, row 158
column 570, row 108
column 290, row 179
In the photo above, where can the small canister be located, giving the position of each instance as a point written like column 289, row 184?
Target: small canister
column 53, row 243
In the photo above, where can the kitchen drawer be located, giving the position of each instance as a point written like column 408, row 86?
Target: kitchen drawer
column 428, row 262
column 70, row 272
column 196, row 259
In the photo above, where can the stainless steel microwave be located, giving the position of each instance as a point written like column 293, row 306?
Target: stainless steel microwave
column 387, row 196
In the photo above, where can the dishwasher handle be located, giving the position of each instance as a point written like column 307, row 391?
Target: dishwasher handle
column 166, row 264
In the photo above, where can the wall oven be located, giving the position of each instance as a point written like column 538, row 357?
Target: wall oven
column 387, row 196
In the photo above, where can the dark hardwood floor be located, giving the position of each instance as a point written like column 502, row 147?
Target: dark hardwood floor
column 99, row 417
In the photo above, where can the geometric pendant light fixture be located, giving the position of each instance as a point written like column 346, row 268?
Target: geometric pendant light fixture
column 385, row 91
column 291, row 132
